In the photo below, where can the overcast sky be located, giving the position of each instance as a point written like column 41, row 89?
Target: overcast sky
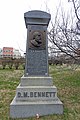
column 13, row 32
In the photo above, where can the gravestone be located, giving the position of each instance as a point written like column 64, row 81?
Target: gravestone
column 36, row 93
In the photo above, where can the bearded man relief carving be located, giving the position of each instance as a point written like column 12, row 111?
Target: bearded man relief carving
column 37, row 40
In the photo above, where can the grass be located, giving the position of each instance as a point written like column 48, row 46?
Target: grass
column 65, row 79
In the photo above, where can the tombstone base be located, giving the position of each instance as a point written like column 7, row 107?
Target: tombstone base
column 25, row 109
column 32, row 100
column 36, row 81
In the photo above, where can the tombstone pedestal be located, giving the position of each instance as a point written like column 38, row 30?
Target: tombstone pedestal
column 36, row 93
column 36, row 81
column 32, row 98
column 24, row 109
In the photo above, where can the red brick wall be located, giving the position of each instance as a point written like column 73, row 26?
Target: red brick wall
column 7, row 52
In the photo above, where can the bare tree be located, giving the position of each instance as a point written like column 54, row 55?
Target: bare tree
column 76, row 5
column 64, row 34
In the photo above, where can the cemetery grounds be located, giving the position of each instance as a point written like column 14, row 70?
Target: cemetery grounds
column 65, row 78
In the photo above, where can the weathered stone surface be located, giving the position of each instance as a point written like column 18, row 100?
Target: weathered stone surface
column 37, row 63
column 36, row 81
column 37, row 57
column 23, row 109
column 37, row 17
column 35, row 93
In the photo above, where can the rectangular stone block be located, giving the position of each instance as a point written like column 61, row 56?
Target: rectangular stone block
column 40, row 18
column 29, row 109
column 37, row 64
column 36, row 81
column 36, row 93
column 37, row 56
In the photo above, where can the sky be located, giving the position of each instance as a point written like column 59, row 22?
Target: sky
column 13, row 32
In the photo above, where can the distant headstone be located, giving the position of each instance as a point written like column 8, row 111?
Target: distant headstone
column 36, row 93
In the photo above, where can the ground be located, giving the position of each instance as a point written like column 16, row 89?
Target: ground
column 65, row 78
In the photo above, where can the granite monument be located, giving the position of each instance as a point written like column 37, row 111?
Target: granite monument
column 36, row 93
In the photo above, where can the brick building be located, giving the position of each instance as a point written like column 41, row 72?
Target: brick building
column 10, row 52
column 7, row 52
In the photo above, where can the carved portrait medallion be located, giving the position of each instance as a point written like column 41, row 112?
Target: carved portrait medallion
column 37, row 40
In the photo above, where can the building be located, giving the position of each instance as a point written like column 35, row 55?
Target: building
column 16, row 54
column 10, row 52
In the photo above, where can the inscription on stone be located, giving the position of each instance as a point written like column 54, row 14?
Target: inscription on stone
column 37, row 63
column 35, row 94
